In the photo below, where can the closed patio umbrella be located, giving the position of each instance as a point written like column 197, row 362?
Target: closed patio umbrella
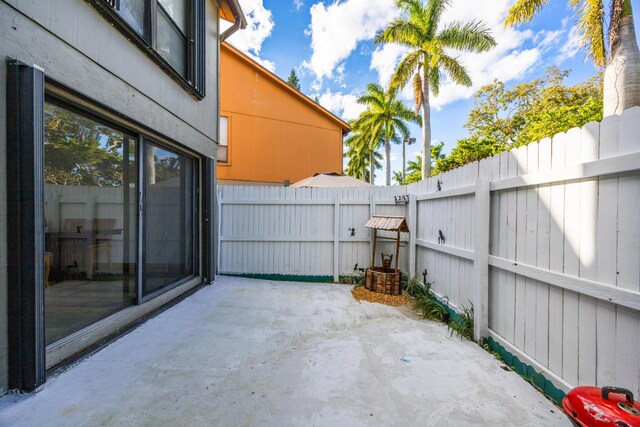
column 331, row 180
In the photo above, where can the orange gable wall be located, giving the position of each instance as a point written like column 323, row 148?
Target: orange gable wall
column 273, row 134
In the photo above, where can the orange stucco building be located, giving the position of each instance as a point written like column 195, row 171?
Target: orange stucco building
column 273, row 133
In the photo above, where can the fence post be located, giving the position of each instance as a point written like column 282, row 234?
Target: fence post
column 218, row 217
column 481, row 260
column 336, row 240
column 413, row 230
column 372, row 210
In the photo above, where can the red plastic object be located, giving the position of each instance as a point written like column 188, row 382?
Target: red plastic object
column 600, row 407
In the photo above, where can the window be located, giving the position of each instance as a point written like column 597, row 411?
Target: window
column 171, row 41
column 135, row 14
column 171, row 30
column 94, row 256
column 90, row 196
column 170, row 220
column 223, row 144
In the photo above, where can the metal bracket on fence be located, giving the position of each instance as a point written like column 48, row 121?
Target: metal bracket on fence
column 439, row 185
column 352, row 231
column 424, row 276
column 440, row 237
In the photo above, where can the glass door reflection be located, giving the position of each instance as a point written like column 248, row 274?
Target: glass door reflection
column 90, row 213
column 169, row 218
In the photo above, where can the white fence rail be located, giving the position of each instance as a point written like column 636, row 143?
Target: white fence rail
column 543, row 240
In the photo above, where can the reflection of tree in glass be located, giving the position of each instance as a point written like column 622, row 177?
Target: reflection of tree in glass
column 167, row 166
column 80, row 151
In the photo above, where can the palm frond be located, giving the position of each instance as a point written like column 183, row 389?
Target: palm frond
column 591, row 27
column 456, row 71
column 409, row 6
column 471, row 37
column 434, row 81
column 403, row 129
column 432, row 14
column 523, row 11
column 400, row 31
column 370, row 101
column 415, row 165
column 406, row 68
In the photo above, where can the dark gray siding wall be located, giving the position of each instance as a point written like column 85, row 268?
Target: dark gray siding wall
column 76, row 46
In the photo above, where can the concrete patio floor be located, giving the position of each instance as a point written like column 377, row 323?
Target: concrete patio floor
column 254, row 352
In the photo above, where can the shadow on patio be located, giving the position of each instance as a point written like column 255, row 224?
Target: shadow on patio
column 254, row 352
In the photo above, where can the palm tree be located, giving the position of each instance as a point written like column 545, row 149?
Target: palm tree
column 397, row 177
column 363, row 159
column 428, row 59
column 414, row 170
column 385, row 118
column 622, row 61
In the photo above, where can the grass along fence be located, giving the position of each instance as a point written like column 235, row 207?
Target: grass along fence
column 543, row 240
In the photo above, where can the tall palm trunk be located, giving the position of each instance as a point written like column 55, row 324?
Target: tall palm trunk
column 426, row 123
column 371, row 165
column 387, row 155
column 150, row 164
column 622, row 75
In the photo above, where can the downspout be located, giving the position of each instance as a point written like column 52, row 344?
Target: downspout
column 240, row 23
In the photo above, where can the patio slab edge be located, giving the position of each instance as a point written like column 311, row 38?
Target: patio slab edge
column 527, row 372
column 283, row 277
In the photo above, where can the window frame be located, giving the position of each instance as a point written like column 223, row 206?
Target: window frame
column 195, row 50
column 92, row 112
column 197, row 228
column 228, row 161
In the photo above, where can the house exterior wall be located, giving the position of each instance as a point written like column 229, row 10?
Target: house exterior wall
column 274, row 134
column 77, row 47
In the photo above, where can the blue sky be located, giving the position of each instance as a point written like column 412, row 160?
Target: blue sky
column 330, row 46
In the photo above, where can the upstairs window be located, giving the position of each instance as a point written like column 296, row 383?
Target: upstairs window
column 171, row 26
column 171, row 30
column 223, row 144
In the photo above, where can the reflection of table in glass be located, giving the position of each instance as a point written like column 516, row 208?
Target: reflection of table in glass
column 93, row 242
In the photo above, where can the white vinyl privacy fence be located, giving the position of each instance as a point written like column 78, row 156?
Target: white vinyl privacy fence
column 301, row 232
column 543, row 240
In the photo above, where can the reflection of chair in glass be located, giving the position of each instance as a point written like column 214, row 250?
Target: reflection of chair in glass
column 48, row 256
column 102, row 241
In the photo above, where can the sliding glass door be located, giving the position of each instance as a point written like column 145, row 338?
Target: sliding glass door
column 90, row 220
column 121, row 218
column 169, row 218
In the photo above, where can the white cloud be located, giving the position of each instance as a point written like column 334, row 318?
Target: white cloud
column 269, row 65
column 384, row 60
column 298, row 4
column 571, row 46
column 545, row 39
column 336, row 30
column 259, row 27
column 343, row 105
column 340, row 75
